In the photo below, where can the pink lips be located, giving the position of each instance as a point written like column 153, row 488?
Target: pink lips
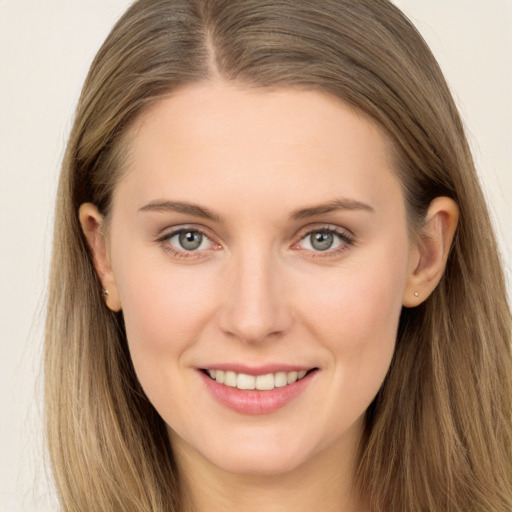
column 256, row 402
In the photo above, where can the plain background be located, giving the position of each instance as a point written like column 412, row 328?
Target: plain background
column 45, row 50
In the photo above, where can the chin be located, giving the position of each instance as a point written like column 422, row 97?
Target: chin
column 259, row 463
column 265, row 452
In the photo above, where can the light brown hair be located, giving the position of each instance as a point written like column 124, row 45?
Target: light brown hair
column 439, row 433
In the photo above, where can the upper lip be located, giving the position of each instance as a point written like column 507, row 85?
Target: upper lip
column 257, row 370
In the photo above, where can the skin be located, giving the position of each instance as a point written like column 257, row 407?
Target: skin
column 257, row 291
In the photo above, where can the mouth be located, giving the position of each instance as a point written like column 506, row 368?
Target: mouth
column 265, row 382
column 252, row 391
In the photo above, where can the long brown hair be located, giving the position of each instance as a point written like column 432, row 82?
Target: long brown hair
column 439, row 433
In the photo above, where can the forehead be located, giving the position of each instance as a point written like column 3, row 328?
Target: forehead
column 215, row 138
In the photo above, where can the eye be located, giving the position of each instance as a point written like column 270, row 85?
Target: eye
column 189, row 240
column 326, row 240
column 321, row 240
column 186, row 242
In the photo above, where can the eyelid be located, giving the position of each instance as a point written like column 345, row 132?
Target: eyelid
column 343, row 232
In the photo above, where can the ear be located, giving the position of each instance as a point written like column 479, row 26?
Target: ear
column 430, row 251
column 92, row 223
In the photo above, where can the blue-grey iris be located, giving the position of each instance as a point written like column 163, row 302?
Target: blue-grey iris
column 190, row 240
column 321, row 240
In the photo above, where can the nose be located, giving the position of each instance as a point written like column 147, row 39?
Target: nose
column 255, row 308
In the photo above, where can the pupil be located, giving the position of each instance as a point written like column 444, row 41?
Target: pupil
column 322, row 241
column 190, row 240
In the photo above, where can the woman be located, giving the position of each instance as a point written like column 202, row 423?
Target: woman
column 274, row 281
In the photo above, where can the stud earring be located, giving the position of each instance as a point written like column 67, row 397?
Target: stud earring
column 104, row 292
column 416, row 294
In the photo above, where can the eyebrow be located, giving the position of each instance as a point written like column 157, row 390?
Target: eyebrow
column 303, row 213
column 181, row 207
column 329, row 207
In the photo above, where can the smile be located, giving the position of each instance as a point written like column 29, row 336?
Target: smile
column 265, row 382
column 263, row 392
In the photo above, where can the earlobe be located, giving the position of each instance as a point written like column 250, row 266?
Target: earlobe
column 92, row 223
column 431, row 251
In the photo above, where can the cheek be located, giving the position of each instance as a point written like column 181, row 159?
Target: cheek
column 356, row 321
column 355, row 312
column 164, row 307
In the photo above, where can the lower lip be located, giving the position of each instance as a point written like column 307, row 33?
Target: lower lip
column 253, row 401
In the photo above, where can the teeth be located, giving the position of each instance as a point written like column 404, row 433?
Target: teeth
column 280, row 379
column 265, row 382
column 291, row 377
column 261, row 382
column 244, row 381
column 230, row 379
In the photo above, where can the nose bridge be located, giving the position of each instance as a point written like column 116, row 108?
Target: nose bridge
column 256, row 303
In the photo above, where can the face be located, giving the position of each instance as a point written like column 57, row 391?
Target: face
column 259, row 247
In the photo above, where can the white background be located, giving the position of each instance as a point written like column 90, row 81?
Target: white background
column 45, row 49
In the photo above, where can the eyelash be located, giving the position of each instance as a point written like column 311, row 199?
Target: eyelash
column 345, row 237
